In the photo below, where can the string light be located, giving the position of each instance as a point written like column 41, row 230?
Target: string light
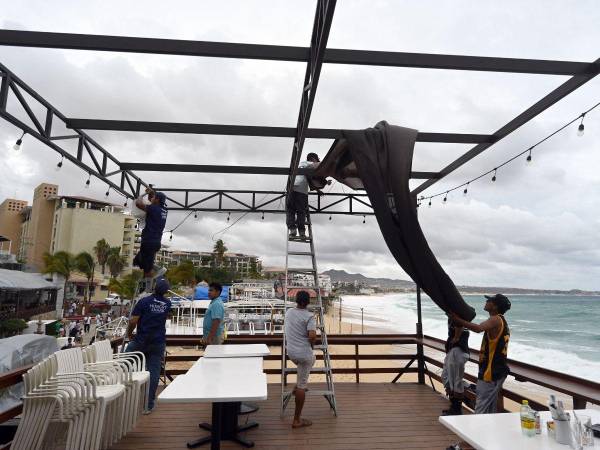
column 228, row 216
column 88, row 181
column 171, row 236
column 581, row 127
column 107, row 192
column 329, row 216
column 445, row 198
column 263, row 216
column 125, row 204
column 196, row 215
column 528, row 152
column 429, row 205
column 60, row 164
column 17, row 145
column 364, row 219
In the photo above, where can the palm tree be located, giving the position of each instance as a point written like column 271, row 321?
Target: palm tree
column 219, row 251
column 127, row 285
column 116, row 262
column 102, row 250
column 86, row 265
column 61, row 263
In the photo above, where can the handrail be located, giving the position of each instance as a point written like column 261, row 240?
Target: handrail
column 580, row 389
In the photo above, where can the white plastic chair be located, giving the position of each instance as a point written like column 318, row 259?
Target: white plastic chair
column 137, row 378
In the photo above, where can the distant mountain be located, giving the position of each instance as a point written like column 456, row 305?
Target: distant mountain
column 345, row 277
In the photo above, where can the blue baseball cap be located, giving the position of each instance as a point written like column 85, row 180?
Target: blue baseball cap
column 162, row 286
column 162, row 198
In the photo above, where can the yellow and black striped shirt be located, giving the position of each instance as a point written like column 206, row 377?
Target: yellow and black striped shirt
column 493, row 355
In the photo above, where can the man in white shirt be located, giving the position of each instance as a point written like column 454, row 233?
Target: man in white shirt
column 297, row 201
column 300, row 336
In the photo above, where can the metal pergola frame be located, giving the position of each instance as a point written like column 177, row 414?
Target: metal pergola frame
column 120, row 176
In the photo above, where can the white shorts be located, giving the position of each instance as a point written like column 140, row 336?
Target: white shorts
column 303, row 365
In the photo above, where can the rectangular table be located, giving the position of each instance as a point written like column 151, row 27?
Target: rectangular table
column 224, row 382
column 236, row 351
column 503, row 431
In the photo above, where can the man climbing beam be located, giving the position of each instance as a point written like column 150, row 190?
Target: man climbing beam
column 156, row 219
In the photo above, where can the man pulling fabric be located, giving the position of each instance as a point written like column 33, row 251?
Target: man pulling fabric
column 493, row 367
column 149, row 316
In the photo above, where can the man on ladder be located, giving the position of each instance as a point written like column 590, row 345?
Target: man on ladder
column 297, row 200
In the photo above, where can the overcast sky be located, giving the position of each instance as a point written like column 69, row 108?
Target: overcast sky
column 537, row 226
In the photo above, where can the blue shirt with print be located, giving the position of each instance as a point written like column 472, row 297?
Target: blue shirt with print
column 156, row 219
column 153, row 312
column 216, row 310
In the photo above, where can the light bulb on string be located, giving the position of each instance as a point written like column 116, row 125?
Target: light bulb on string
column 329, row 216
column 494, row 177
column 529, row 156
column 364, row 219
column 581, row 127
column 263, row 216
column 125, row 204
column 466, row 189
column 88, row 181
column 107, row 192
column 19, row 142
column 429, row 204
column 445, row 198
column 171, row 236
column 228, row 216
column 196, row 215
column 60, row 164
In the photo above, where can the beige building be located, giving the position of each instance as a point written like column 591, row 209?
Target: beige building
column 10, row 224
column 73, row 224
column 240, row 263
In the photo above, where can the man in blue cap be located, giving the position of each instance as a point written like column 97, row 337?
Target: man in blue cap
column 149, row 316
column 156, row 219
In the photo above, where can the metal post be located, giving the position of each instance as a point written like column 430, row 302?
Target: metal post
column 362, row 322
column 340, row 321
column 420, row 354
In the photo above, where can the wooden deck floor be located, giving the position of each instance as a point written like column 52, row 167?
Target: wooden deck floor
column 371, row 416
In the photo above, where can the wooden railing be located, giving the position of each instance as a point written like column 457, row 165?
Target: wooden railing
column 581, row 391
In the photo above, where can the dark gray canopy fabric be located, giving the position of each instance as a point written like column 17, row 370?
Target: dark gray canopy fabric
column 379, row 160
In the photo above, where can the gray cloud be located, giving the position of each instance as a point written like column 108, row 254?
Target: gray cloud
column 536, row 226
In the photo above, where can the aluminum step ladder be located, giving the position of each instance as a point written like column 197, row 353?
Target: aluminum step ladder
column 317, row 308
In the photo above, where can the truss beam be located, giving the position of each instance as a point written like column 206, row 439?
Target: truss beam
column 249, row 130
column 126, row 44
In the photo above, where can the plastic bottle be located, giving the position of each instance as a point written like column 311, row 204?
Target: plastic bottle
column 527, row 419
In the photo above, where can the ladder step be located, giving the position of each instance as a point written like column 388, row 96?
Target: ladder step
column 311, row 393
column 313, row 370
column 300, row 253
column 299, row 239
column 320, row 347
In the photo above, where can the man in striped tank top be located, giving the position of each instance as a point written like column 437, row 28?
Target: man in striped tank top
column 493, row 367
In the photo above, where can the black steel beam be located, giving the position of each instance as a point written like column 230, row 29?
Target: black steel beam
column 318, row 43
column 252, row 170
column 285, row 53
column 250, row 130
column 556, row 95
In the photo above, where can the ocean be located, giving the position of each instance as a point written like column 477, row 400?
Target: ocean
column 561, row 333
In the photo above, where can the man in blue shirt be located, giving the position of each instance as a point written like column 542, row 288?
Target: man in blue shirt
column 156, row 219
column 149, row 317
column 212, row 327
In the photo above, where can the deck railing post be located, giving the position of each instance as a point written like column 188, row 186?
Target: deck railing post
column 420, row 353
column 356, row 359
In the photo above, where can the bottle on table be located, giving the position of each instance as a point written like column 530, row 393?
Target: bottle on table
column 527, row 419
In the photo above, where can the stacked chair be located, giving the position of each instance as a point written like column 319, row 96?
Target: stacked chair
column 81, row 399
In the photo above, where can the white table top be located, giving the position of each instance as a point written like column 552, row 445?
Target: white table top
column 236, row 350
column 503, row 431
column 219, row 380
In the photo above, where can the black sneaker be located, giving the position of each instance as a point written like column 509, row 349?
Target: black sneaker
column 293, row 232
column 303, row 234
